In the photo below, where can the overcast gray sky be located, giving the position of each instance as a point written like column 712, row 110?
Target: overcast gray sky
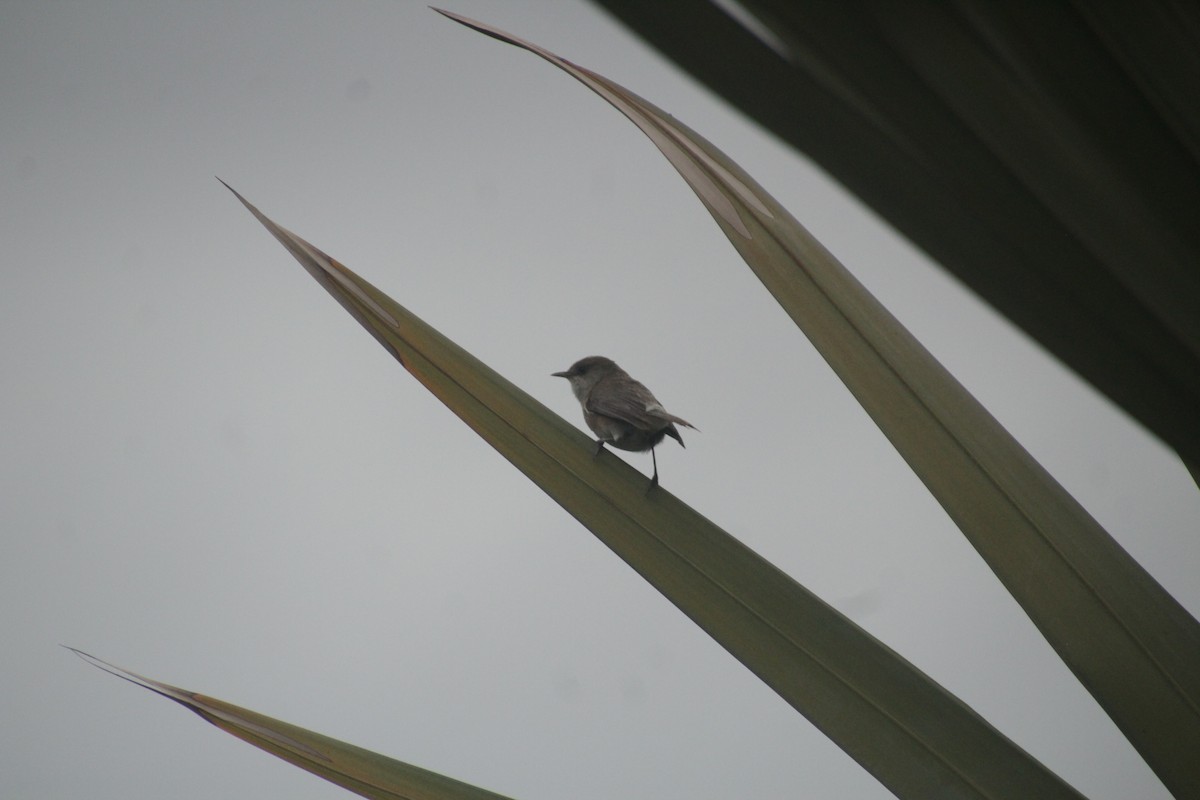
column 210, row 474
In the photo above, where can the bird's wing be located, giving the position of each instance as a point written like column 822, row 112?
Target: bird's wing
column 633, row 404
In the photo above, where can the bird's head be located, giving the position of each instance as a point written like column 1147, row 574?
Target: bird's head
column 586, row 372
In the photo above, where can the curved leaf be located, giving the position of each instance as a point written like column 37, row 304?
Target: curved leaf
column 1129, row 642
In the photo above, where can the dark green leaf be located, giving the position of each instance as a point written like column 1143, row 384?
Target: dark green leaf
column 1129, row 642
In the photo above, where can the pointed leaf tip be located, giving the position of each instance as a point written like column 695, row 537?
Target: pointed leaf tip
column 361, row 771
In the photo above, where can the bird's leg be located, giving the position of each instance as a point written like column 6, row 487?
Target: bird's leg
column 654, row 459
column 599, row 447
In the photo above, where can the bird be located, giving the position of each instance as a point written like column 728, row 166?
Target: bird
column 619, row 410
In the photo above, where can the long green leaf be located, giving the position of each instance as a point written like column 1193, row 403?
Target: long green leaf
column 1129, row 642
column 908, row 731
column 361, row 771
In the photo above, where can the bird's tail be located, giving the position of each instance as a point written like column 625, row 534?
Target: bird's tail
column 681, row 421
column 673, row 432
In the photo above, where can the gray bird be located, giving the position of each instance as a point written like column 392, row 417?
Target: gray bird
column 619, row 410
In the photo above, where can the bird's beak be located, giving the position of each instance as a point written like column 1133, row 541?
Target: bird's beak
column 561, row 374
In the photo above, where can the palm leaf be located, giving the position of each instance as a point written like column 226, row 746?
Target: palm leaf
column 1127, row 640
column 917, row 738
